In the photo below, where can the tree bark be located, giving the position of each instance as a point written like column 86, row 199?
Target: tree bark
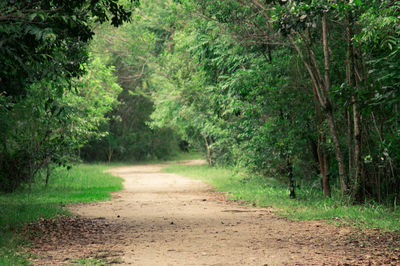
column 350, row 146
column 290, row 176
column 47, row 173
column 323, row 164
column 338, row 153
column 325, row 176
column 109, row 153
column 328, row 108
column 359, row 182
column 210, row 162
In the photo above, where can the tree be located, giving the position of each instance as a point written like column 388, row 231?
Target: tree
column 43, row 47
column 47, row 39
column 348, row 86
column 45, row 127
column 132, row 49
column 233, row 99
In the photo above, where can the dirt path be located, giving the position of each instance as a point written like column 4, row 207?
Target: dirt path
column 165, row 219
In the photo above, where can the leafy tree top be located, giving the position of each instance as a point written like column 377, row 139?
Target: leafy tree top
column 47, row 38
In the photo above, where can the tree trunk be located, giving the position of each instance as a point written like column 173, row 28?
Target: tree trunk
column 350, row 146
column 209, row 160
column 323, row 164
column 359, row 182
column 290, row 176
column 47, row 174
column 109, row 153
column 338, row 153
column 329, row 112
column 315, row 152
column 325, row 176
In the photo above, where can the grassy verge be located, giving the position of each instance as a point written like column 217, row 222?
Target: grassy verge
column 83, row 183
column 309, row 205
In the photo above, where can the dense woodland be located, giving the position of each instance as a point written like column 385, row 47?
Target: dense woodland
column 303, row 91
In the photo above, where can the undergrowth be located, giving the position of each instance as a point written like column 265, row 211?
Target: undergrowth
column 309, row 204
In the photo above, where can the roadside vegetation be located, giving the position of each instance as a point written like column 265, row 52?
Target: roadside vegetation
column 303, row 94
column 83, row 183
column 301, row 91
column 309, row 204
column 80, row 184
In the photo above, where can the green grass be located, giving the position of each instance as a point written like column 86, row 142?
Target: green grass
column 83, row 183
column 309, row 205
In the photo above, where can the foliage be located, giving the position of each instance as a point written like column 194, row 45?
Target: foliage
column 298, row 90
column 234, row 99
column 45, row 39
column 131, row 49
column 49, row 126
column 380, row 42
column 269, row 85
column 43, row 51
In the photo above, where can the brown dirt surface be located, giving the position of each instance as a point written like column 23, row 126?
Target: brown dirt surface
column 166, row 219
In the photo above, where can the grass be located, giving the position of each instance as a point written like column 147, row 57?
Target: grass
column 88, row 182
column 83, row 183
column 309, row 205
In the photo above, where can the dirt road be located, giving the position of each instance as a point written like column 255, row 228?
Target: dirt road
column 166, row 219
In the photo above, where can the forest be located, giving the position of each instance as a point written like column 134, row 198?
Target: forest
column 306, row 92
column 293, row 107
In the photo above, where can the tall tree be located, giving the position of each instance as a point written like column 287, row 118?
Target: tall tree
column 43, row 48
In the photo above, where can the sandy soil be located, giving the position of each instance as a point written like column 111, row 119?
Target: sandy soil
column 166, row 219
